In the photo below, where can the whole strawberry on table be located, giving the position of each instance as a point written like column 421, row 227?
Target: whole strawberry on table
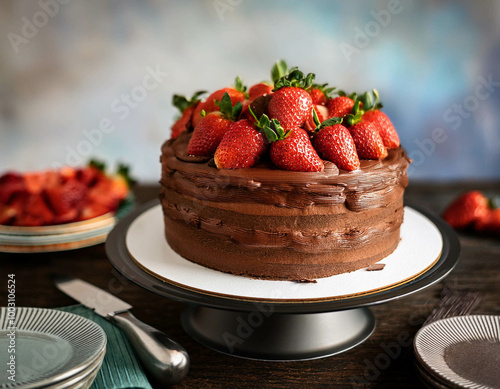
column 61, row 196
column 291, row 120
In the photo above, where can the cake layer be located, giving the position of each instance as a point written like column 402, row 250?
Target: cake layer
column 270, row 223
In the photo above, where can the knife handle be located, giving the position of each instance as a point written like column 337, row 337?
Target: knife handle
column 164, row 359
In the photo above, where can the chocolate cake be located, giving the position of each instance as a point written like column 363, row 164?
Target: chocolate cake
column 269, row 223
column 285, row 182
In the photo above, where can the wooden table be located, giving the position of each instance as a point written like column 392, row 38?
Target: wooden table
column 378, row 362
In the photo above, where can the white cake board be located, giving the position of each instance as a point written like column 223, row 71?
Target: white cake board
column 420, row 248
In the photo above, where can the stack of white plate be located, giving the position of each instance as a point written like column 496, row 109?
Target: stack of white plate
column 53, row 349
column 459, row 352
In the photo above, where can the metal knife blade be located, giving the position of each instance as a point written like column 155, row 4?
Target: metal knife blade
column 102, row 302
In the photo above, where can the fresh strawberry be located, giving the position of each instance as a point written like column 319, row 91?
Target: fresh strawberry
column 7, row 214
column 339, row 106
column 210, row 130
column 186, row 108
column 466, row 210
column 260, row 89
column 37, row 208
column 237, row 94
column 35, row 182
column 369, row 144
column 320, row 94
column 66, row 197
column 291, row 104
column 90, row 175
column 386, row 128
column 489, row 222
column 93, row 210
column 241, row 146
column 321, row 112
column 11, row 184
column 334, row 143
column 291, row 150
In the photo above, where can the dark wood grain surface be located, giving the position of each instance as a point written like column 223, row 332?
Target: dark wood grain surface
column 377, row 363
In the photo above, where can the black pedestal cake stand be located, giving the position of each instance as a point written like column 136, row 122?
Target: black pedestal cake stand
column 273, row 329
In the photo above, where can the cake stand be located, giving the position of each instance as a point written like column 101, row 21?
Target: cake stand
column 280, row 320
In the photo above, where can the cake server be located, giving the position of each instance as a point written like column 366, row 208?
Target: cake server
column 163, row 358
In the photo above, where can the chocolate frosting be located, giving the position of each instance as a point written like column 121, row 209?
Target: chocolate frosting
column 373, row 185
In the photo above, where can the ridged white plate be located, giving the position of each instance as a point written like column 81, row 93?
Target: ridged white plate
column 450, row 348
column 420, row 248
column 53, row 348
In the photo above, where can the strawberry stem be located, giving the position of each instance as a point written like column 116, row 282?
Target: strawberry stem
column 182, row 103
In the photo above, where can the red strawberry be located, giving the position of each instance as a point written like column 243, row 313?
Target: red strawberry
column 318, row 96
column 66, row 197
column 11, row 184
column 339, row 106
column 93, row 210
column 186, row 108
column 241, row 146
column 7, row 214
column 335, row 144
column 386, row 128
column 210, row 106
column 40, row 214
column 89, row 175
column 260, row 89
column 210, row 130
column 290, row 106
column 208, row 134
column 489, row 222
column 466, row 209
column 35, row 182
column 322, row 112
column 291, row 150
column 369, row 144
column 184, row 122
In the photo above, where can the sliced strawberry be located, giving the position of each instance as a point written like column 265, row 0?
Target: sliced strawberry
column 260, row 89
column 66, row 197
column 335, row 144
column 322, row 112
column 93, row 210
column 488, row 222
column 466, row 210
column 39, row 212
column 210, row 130
column 35, row 182
column 386, row 128
column 241, row 146
column 369, row 144
column 11, row 184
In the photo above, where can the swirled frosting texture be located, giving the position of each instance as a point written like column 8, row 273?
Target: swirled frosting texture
column 270, row 223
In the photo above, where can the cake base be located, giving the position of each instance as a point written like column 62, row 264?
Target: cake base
column 254, row 335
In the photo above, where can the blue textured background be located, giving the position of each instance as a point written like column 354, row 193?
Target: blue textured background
column 425, row 61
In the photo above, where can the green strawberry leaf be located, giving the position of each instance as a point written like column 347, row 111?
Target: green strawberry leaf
column 225, row 106
column 236, row 111
column 377, row 104
column 279, row 69
column 328, row 91
column 203, row 113
column 240, row 87
column 99, row 165
column 295, row 78
column 124, row 170
column 315, row 117
column 182, row 103
column 270, row 134
column 264, row 121
column 329, row 122
column 367, row 100
column 279, row 129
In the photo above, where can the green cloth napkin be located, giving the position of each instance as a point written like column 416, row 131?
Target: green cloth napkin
column 120, row 368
